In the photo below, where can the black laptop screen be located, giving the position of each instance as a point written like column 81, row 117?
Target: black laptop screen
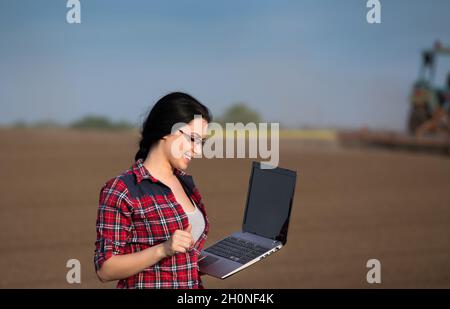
column 269, row 202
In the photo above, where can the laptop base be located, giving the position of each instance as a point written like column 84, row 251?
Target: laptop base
column 221, row 267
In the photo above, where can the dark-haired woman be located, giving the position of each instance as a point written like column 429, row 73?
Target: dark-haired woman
column 151, row 222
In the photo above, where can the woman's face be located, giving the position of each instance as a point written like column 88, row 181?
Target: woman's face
column 181, row 146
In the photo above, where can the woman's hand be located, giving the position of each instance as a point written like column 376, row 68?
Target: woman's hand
column 180, row 242
column 122, row 266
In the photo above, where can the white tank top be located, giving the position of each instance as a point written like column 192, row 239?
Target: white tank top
column 197, row 221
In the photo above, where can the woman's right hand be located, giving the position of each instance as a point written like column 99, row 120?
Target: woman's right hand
column 122, row 266
column 180, row 242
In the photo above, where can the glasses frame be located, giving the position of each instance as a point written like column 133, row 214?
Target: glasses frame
column 193, row 139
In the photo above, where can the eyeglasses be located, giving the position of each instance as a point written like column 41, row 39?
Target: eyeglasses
column 195, row 140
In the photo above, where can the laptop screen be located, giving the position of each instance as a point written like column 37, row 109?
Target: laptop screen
column 269, row 202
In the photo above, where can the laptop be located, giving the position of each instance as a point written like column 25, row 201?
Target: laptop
column 264, row 228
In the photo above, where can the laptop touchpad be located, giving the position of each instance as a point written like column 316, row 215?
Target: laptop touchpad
column 208, row 260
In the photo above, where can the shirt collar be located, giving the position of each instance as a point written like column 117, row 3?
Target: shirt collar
column 142, row 173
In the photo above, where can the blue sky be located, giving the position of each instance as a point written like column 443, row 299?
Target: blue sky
column 303, row 63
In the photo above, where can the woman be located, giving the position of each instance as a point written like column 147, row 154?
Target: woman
column 151, row 222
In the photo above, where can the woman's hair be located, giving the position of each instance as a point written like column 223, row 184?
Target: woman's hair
column 173, row 108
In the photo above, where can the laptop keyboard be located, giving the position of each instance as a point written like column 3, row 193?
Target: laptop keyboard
column 237, row 250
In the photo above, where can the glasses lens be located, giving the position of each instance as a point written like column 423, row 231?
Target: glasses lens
column 195, row 140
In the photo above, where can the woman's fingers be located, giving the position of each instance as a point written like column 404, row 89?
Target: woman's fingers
column 181, row 245
column 184, row 236
column 179, row 249
column 188, row 236
column 181, row 241
column 186, row 242
column 183, row 233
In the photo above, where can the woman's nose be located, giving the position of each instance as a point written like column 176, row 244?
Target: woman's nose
column 197, row 148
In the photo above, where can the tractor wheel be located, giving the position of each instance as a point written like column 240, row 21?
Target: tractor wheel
column 417, row 116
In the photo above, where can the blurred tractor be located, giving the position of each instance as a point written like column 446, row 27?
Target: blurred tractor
column 426, row 97
column 429, row 115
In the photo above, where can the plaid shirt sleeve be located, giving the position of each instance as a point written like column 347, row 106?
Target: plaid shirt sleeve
column 113, row 221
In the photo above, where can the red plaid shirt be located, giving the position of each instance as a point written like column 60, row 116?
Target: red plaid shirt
column 136, row 211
